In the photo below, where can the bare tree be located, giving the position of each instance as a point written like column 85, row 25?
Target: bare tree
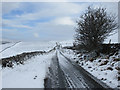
column 94, row 26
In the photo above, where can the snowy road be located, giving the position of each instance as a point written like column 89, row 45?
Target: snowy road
column 73, row 76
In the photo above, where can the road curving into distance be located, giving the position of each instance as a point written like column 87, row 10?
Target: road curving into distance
column 63, row 73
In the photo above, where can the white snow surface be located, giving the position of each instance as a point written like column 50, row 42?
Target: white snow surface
column 67, row 43
column 33, row 72
column 6, row 45
column 30, row 47
column 29, row 75
column 26, row 47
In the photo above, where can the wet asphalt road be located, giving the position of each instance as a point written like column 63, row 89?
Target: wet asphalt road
column 63, row 73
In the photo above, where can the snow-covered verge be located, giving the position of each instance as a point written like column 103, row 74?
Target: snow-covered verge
column 29, row 75
column 26, row 47
column 105, row 68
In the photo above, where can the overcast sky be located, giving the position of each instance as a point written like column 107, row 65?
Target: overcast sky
column 36, row 21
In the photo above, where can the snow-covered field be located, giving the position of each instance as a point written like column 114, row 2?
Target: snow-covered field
column 6, row 45
column 33, row 72
column 67, row 43
column 26, row 47
column 108, row 72
column 30, row 47
column 29, row 75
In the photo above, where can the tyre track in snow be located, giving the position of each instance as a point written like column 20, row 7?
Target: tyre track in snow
column 73, row 76
column 55, row 77
column 88, row 81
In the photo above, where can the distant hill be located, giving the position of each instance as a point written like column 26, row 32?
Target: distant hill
column 5, row 41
